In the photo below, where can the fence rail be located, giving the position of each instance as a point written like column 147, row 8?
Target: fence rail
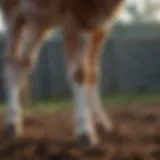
column 130, row 62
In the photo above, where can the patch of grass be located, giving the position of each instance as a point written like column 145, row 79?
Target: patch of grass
column 113, row 100
column 120, row 99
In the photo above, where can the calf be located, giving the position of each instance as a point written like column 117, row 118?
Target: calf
column 28, row 23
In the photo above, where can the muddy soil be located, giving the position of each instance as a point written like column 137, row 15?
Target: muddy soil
column 49, row 136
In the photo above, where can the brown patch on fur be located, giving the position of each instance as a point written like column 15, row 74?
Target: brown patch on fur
column 88, row 15
column 91, row 59
column 79, row 75
column 8, row 7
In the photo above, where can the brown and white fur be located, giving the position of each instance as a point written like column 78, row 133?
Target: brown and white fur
column 28, row 22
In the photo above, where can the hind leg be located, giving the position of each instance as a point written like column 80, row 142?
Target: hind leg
column 101, row 117
column 92, row 68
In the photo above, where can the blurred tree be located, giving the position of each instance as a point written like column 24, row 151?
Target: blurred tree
column 141, row 11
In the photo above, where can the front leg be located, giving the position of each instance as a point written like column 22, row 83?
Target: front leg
column 84, row 126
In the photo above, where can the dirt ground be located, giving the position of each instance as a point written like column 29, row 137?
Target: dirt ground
column 49, row 136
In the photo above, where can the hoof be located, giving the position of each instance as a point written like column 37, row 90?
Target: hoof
column 107, row 126
column 12, row 131
column 85, row 140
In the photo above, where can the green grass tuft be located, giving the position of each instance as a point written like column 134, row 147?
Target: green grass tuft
column 114, row 100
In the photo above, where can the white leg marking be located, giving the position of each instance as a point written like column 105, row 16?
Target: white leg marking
column 84, row 123
column 81, row 112
column 97, row 108
column 13, row 113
